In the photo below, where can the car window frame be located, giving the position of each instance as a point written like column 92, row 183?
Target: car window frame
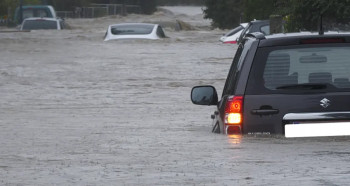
column 244, row 32
column 160, row 32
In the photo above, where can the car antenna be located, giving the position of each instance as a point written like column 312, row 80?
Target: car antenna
column 321, row 31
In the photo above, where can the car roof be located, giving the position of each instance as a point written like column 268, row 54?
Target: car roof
column 259, row 21
column 283, row 39
column 42, row 18
column 141, row 24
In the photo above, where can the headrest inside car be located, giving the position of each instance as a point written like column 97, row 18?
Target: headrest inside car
column 320, row 77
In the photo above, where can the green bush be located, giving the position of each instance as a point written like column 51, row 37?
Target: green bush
column 224, row 13
column 12, row 4
column 298, row 14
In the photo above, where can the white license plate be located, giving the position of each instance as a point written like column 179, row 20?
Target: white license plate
column 317, row 129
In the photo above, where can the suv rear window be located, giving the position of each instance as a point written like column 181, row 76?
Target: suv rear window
column 299, row 68
column 39, row 24
column 132, row 29
column 35, row 13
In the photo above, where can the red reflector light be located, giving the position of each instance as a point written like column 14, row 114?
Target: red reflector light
column 234, row 104
column 230, row 42
column 323, row 40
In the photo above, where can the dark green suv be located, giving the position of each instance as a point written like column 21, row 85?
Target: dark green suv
column 296, row 85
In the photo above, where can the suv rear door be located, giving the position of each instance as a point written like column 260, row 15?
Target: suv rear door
column 236, row 79
column 297, row 84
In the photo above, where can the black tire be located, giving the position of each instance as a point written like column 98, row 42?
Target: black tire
column 216, row 128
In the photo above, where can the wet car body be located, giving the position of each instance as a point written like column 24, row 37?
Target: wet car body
column 281, row 82
column 134, row 31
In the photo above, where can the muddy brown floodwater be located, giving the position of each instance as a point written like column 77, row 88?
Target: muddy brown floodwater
column 75, row 110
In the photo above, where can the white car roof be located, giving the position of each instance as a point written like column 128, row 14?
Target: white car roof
column 153, row 35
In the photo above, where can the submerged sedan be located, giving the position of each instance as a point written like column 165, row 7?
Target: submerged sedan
column 134, row 31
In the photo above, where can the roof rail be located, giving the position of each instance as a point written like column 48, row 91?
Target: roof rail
column 257, row 35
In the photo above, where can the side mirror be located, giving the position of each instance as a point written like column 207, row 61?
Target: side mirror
column 204, row 95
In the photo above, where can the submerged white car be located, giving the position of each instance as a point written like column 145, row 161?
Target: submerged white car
column 134, row 31
column 232, row 36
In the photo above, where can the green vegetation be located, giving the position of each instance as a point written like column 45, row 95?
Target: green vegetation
column 224, row 13
column 298, row 14
column 12, row 4
column 306, row 14
column 148, row 7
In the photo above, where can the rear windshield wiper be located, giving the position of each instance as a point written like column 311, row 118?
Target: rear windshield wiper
column 305, row 86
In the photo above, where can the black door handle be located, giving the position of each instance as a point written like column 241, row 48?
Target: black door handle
column 264, row 111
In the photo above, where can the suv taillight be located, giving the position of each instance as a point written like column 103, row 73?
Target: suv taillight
column 233, row 114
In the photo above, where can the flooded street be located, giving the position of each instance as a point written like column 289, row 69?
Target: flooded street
column 75, row 110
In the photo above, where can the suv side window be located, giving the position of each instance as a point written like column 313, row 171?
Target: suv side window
column 228, row 84
column 231, row 81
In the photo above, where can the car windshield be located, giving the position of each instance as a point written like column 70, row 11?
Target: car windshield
column 39, row 24
column 35, row 13
column 303, row 69
column 132, row 29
